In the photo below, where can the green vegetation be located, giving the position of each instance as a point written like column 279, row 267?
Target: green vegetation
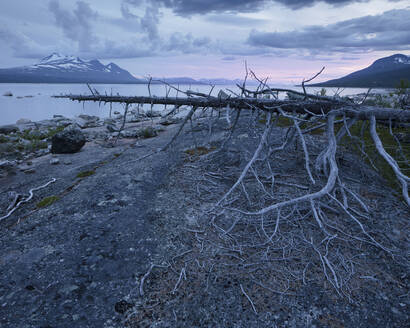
column 30, row 134
column 403, row 87
column 282, row 122
column 36, row 145
column 53, row 131
column 148, row 132
column 373, row 158
column 322, row 92
column 199, row 151
column 47, row 201
column 85, row 174
column 3, row 139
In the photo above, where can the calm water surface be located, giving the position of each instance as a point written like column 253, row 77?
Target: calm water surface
column 34, row 101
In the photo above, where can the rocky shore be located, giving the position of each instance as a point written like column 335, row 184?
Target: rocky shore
column 24, row 141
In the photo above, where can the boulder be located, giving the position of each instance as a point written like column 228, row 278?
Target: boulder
column 7, row 129
column 54, row 161
column 23, row 121
column 169, row 121
column 80, row 122
column 109, row 121
column 129, row 133
column 152, row 114
column 112, row 128
column 89, row 117
column 148, row 132
column 70, row 140
column 7, row 168
column 87, row 121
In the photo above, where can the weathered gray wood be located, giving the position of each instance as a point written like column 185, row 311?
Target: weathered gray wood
column 317, row 107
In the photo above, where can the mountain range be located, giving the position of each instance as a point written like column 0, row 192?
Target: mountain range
column 57, row 68
column 67, row 69
column 385, row 72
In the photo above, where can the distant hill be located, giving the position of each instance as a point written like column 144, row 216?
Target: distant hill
column 188, row 80
column 57, row 68
column 383, row 73
column 67, row 69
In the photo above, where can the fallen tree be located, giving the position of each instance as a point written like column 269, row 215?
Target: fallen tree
column 322, row 223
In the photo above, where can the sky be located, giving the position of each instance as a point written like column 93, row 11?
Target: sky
column 283, row 40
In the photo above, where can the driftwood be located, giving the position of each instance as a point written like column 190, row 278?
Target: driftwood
column 318, row 107
column 323, row 224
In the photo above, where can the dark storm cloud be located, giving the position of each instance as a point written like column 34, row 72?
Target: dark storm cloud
column 147, row 23
column 21, row 45
column 76, row 25
column 185, row 43
column 146, row 43
column 388, row 31
column 191, row 7
column 297, row 4
column 227, row 19
column 229, row 58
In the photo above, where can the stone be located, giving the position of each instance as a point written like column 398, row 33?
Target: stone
column 54, row 161
column 123, row 306
column 80, row 122
column 7, row 129
column 7, row 168
column 152, row 114
column 168, row 121
column 68, row 141
column 87, row 121
column 132, row 118
column 129, row 134
column 23, row 121
column 89, row 117
column 109, row 121
column 112, row 128
column 7, row 164
column 148, row 132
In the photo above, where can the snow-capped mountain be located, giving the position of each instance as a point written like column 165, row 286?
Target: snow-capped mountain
column 383, row 73
column 67, row 69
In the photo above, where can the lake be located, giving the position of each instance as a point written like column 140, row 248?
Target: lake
column 34, row 101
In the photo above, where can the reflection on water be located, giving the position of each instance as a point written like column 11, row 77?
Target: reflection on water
column 34, row 101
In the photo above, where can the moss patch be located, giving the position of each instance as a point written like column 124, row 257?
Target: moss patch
column 389, row 144
column 53, row 131
column 85, row 174
column 3, row 139
column 199, row 151
column 148, row 132
column 47, row 201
